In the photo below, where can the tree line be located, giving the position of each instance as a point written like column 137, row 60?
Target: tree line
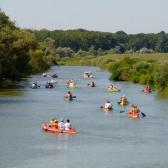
column 118, row 42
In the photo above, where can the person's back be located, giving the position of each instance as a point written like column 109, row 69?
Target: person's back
column 93, row 84
column 108, row 105
column 33, row 85
column 123, row 98
column 69, row 94
column 67, row 125
column 61, row 124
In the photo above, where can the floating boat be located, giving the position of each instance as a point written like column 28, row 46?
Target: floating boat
column 123, row 103
column 53, row 81
column 72, row 85
column 106, row 109
column 113, row 90
column 133, row 115
column 147, row 91
column 54, row 76
column 46, row 128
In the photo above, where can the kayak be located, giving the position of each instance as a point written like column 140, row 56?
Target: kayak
column 35, row 86
column 87, row 75
column 113, row 90
column 123, row 103
column 106, row 109
column 72, row 85
column 53, row 81
column 91, row 85
column 133, row 115
column 46, row 128
column 147, row 91
column 70, row 98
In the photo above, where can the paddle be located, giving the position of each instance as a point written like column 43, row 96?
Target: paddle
column 143, row 114
column 122, row 111
column 70, row 98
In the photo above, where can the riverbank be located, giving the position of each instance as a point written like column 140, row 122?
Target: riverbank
column 149, row 69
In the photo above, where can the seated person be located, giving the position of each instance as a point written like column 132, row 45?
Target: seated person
column 111, row 86
column 123, row 98
column 70, row 81
column 92, row 84
column 108, row 105
column 53, row 123
column 69, row 95
column 49, row 85
column 61, row 124
column 67, row 125
column 134, row 109
column 147, row 88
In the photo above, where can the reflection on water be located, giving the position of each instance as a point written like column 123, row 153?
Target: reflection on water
column 10, row 92
column 104, row 139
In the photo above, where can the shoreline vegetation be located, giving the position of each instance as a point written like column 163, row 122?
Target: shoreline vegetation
column 140, row 58
column 150, row 69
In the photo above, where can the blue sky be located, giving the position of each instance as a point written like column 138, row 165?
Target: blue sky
column 131, row 16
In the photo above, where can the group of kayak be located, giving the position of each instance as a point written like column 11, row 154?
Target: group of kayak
column 49, row 84
column 134, row 111
column 108, row 105
column 56, row 126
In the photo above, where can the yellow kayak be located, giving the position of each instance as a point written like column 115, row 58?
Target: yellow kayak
column 72, row 85
column 123, row 103
column 113, row 90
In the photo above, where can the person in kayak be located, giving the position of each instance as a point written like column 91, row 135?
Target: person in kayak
column 44, row 74
column 61, row 124
column 108, row 105
column 111, row 86
column 34, row 85
column 134, row 109
column 69, row 95
column 67, row 125
column 147, row 88
column 91, row 84
column 49, row 85
column 123, row 99
column 53, row 123
column 70, row 81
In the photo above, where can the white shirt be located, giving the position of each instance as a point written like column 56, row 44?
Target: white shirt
column 61, row 125
column 108, row 105
column 67, row 126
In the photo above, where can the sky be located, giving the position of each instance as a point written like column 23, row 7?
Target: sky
column 130, row 16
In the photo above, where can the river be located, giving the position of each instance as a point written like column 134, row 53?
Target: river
column 104, row 139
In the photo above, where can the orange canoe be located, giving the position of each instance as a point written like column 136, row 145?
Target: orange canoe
column 46, row 128
column 133, row 115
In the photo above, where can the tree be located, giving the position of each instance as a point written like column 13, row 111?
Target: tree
column 161, row 76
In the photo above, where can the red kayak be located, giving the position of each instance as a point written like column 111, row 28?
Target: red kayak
column 133, row 115
column 147, row 91
column 46, row 128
